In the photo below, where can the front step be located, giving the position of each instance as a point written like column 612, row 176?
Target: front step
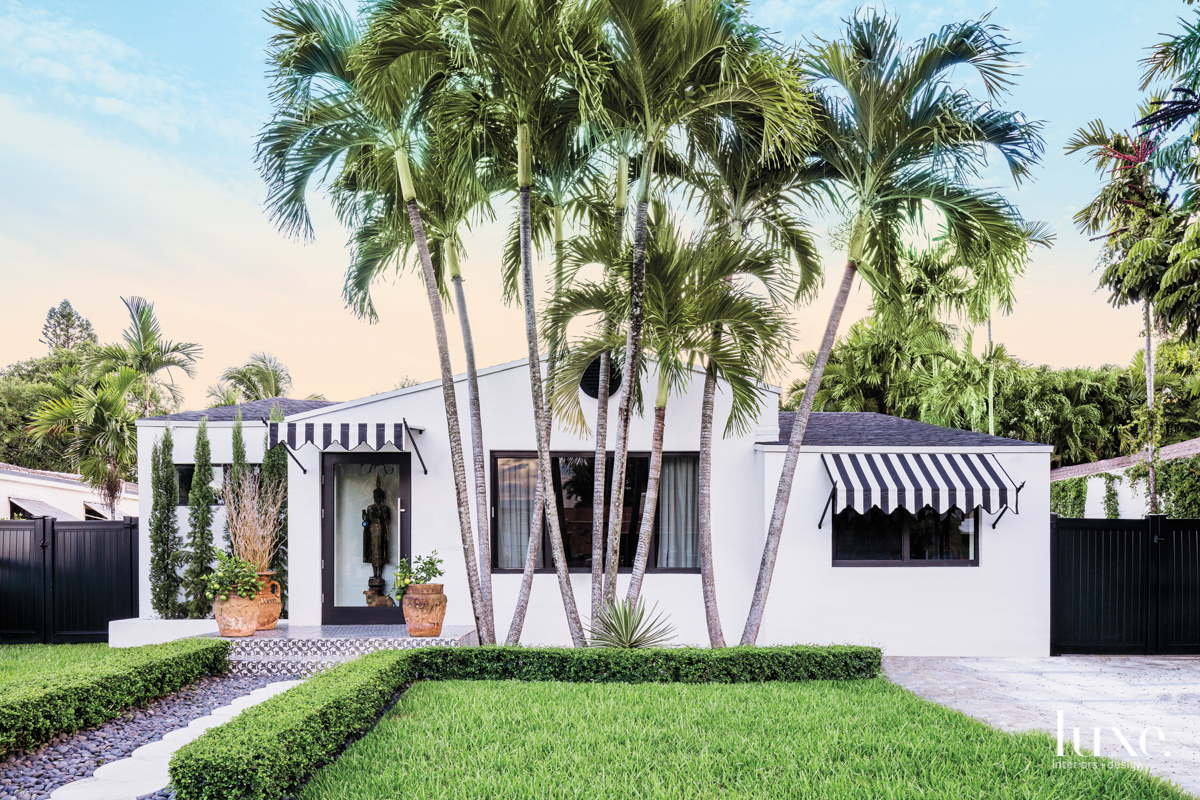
column 307, row 650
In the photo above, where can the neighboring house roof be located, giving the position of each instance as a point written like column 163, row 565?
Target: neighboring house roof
column 868, row 429
column 250, row 411
column 56, row 477
column 1172, row 451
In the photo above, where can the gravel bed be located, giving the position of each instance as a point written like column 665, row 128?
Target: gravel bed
column 34, row 774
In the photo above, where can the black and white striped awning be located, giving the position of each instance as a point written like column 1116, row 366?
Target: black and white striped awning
column 338, row 436
column 888, row 481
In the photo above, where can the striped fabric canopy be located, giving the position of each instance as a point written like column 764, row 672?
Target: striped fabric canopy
column 888, row 481
column 343, row 436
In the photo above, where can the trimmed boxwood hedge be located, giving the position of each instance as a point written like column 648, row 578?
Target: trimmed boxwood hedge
column 269, row 748
column 91, row 693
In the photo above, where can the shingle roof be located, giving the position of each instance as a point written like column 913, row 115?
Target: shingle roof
column 1172, row 451
column 62, row 477
column 868, row 429
column 250, row 411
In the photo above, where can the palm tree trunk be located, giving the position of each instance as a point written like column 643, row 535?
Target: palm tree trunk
column 784, row 493
column 448, row 397
column 487, row 633
column 598, row 471
column 1151, row 427
column 633, row 345
column 708, row 586
column 991, row 383
column 531, row 558
column 646, row 528
column 535, row 385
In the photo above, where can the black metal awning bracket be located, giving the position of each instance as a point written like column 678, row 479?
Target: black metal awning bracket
column 828, row 503
column 1003, row 511
column 286, row 449
column 409, row 436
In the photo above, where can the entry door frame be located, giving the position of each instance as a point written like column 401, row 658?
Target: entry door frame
column 332, row 614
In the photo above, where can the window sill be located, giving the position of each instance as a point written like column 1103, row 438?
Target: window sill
column 914, row 563
column 586, row 571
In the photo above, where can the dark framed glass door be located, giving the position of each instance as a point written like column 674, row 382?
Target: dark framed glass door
column 366, row 501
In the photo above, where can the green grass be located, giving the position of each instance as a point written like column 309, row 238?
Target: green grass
column 22, row 664
column 822, row 739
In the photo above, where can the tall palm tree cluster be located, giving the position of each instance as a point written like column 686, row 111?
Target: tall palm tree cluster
column 608, row 122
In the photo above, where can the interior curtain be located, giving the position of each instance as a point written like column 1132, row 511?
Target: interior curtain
column 679, row 514
column 517, row 487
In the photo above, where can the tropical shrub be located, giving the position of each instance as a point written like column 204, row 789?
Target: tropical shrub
column 625, row 624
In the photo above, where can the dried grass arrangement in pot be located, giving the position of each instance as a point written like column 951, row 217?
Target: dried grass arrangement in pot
column 252, row 511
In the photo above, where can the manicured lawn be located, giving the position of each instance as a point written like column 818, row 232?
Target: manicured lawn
column 22, row 664
column 855, row 739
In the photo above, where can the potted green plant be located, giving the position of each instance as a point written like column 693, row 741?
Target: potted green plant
column 233, row 587
column 423, row 602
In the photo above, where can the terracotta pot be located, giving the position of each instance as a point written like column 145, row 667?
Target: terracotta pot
column 424, row 609
column 237, row 616
column 270, row 601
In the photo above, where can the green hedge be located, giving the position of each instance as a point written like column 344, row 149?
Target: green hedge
column 268, row 749
column 91, row 693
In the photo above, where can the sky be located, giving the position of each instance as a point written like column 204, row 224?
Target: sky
column 127, row 133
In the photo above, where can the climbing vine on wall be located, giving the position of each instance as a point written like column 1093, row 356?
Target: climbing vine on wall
column 1112, row 506
column 1179, row 487
column 1068, row 497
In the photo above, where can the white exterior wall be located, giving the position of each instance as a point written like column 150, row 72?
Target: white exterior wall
column 1132, row 502
column 999, row 608
column 220, row 440
column 64, row 494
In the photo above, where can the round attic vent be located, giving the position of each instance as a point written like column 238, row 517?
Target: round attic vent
column 590, row 382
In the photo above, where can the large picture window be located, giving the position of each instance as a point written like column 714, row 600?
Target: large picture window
column 903, row 539
column 676, row 520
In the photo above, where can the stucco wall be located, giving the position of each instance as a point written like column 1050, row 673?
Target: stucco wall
column 1132, row 502
column 998, row 608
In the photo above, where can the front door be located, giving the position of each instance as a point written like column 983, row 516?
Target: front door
column 365, row 533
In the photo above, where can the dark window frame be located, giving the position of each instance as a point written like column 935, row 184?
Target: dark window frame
column 906, row 561
column 652, row 567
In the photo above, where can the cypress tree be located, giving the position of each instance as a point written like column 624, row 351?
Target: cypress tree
column 236, row 470
column 275, row 468
column 164, row 530
column 200, row 538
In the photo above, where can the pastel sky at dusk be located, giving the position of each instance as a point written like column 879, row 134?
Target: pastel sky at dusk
column 127, row 136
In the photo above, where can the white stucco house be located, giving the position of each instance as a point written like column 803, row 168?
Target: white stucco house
column 1132, row 499
column 28, row 493
column 919, row 539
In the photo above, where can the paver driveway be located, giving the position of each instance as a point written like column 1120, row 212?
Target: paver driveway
column 1130, row 693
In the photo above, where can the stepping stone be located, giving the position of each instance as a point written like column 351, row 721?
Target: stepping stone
column 157, row 750
column 204, row 723
column 136, row 769
column 96, row 789
column 182, row 736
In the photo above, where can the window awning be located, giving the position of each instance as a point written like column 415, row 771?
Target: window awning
column 338, row 436
column 37, row 508
column 888, row 481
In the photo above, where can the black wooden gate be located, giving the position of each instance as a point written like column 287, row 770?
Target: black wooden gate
column 65, row 581
column 1124, row 586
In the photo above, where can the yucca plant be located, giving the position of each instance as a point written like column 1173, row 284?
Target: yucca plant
column 626, row 625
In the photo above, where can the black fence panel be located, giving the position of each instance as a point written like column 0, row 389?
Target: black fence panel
column 1124, row 586
column 1179, row 587
column 22, row 581
column 63, row 582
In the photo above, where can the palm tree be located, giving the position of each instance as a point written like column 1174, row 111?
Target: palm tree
column 755, row 200
column 691, row 288
column 446, row 203
column 146, row 352
column 894, row 136
column 262, row 377
column 101, row 428
column 337, row 116
column 675, row 65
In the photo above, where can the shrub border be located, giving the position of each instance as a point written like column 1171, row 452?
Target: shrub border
column 271, row 748
column 89, row 694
